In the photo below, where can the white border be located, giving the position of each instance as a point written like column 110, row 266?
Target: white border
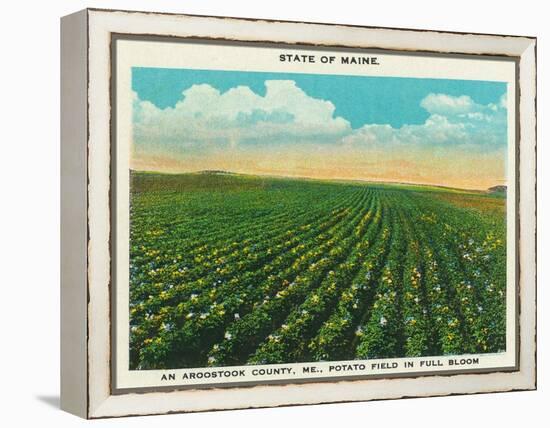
column 200, row 56
column 101, row 25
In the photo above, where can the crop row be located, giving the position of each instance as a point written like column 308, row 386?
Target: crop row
column 201, row 319
column 329, row 272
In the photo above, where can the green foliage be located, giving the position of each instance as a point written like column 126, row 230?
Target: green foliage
column 228, row 269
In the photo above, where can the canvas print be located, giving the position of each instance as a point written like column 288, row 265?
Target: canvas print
column 280, row 218
column 263, row 213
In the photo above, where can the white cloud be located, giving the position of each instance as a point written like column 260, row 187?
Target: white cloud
column 452, row 121
column 447, row 105
column 205, row 115
column 503, row 101
column 207, row 119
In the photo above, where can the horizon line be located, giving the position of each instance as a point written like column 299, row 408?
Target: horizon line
column 303, row 177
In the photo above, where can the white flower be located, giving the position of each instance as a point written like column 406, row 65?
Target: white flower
column 228, row 335
column 237, row 316
column 166, row 326
column 383, row 321
column 273, row 337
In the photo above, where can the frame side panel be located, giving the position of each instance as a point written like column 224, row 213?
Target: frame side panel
column 74, row 136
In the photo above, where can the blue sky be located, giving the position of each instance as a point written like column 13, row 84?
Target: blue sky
column 435, row 131
column 359, row 99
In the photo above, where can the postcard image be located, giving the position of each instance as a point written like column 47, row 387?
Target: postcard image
column 300, row 219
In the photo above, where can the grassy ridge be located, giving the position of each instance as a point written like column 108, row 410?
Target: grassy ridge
column 233, row 269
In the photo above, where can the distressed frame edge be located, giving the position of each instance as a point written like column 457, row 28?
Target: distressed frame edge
column 525, row 38
column 115, row 37
column 527, row 215
column 525, row 379
column 73, row 214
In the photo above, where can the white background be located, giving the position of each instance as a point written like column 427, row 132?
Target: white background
column 29, row 212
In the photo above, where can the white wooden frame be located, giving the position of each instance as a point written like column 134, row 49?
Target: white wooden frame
column 85, row 211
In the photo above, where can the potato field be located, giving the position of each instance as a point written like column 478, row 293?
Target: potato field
column 229, row 269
